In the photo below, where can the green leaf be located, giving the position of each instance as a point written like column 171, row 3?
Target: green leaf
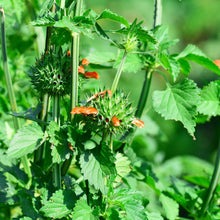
column 210, row 99
column 133, row 62
column 122, row 166
column 170, row 206
column 194, row 54
column 96, row 165
column 66, row 23
column 154, row 216
column 60, row 145
column 31, row 114
column 44, row 21
column 60, row 204
column 178, row 102
column 82, row 211
column 171, row 65
column 45, row 7
column 184, row 66
column 134, row 210
column 28, row 139
column 107, row 14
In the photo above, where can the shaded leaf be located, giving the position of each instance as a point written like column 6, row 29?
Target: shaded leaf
column 178, row 102
column 28, row 139
column 210, row 99
column 60, row 204
column 44, row 21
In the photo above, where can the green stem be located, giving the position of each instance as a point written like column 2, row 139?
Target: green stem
column 118, row 74
column 79, row 5
column 56, row 167
column 144, row 93
column 111, row 142
column 213, row 184
column 11, row 91
column 74, row 70
column 157, row 13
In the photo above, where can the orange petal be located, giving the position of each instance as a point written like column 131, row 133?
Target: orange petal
column 68, row 53
column 85, row 61
column 94, row 75
column 81, row 69
column 115, row 121
column 91, row 111
column 102, row 94
column 138, row 123
column 71, row 147
column 217, row 63
column 84, row 111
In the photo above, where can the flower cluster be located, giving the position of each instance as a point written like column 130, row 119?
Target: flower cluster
column 112, row 113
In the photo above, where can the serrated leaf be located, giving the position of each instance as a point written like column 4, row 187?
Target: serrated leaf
column 122, row 166
column 58, row 139
column 210, row 99
column 82, row 211
column 133, row 62
column 96, row 165
column 194, row 54
column 170, row 206
column 107, row 14
column 28, row 139
column 60, row 204
column 178, row 102
column 134, row 210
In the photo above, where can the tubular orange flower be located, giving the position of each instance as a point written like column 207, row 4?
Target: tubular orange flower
column 91, row 75
column 115, row 121
column 102, row 94
column 71, row 147
column 85, row 61
column 68, row 53
column 138, row 123
column 217, row 63
column 81, row 69
column 84, row 111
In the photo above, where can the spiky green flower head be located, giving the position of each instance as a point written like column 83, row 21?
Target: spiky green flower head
column 130, row 43
column 52, row 73
column 114, row 112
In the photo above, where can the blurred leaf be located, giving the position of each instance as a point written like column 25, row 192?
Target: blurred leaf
column 198, row 180
column 107, row 14
column 89, row 145
column 60, row 204
column 178, row 102
column 133, row 62
column 194, row 54
column 210, row 99
column 25, row 141
column 122, row 166
column 185, row 66
column 82, row 211
column 154, row 216
column 66, row 23
column 170, row 206
column 44, row 21
column 45, row 7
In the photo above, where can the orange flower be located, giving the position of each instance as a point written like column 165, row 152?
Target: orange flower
column 102, row 94
column 91, row 75
column 115, row 121
column 68, row 53
column 81, row 69
column 71, row 147
column 217, row 63
column 84, row 110
column 85, row 61
column 47, row 52
column 138, row 123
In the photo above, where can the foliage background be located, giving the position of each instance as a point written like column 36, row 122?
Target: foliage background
column 195, row 22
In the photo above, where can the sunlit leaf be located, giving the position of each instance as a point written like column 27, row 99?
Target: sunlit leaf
column 28, row 139
column 178, row 102
column 210, row 99
column 60, row 204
